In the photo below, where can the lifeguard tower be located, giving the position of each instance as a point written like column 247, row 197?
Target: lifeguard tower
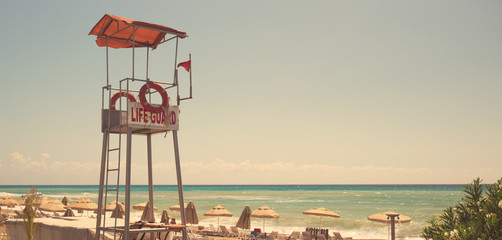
column 127, row 110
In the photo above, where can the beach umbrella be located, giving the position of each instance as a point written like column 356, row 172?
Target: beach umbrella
column 165, row 217
column 141, row 206
column 177, row 207
column 119, row 211
column 65, row 201
column 83, row 204
column 218, row 211
column 389, row 217
column 39, row 201
column 147, row 214
column 8, row 201
column 244, row 221
column 69, row 213
column 1, row 218
column 264, row 212
column 384, row 218
column 52, row 206
column 322, row 212
column 112, row 205
column 191, row 214
column 35, row 201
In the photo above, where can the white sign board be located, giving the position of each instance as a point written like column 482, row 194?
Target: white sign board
column 137, row 116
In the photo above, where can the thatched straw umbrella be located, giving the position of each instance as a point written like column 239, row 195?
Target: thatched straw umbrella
column 389, row 217
column 218, row 211
column 264, row 212
column 52, row 206
column 322, row 212
column 83, row 204
column 383, row 217
column 1, row 218
column 8, row 201
column 177, row 207
column 39, row 201
column 113, row 204
column 141, row 206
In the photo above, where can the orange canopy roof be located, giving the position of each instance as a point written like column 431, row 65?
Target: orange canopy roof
column 120, row 31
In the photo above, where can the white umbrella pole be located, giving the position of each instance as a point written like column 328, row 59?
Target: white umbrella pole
column 320, row 224
column 264, row 225
column 218, row 221
column 388, row 232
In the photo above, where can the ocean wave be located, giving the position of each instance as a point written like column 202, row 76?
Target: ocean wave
column 4, row 194
column 233, row 197
column 300, row 201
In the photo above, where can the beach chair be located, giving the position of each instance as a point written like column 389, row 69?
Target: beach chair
column 248, row 235
column 306, row 235
column 321, row 237
column 235, row 231
column 273, row 235
column 294, row 236
column 195, row 229
column 261, row 235
column 211, row 227
column 337, row 236
column 225, row 232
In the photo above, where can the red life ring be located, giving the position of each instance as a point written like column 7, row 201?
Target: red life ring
column 117, row 95
column 148, row 106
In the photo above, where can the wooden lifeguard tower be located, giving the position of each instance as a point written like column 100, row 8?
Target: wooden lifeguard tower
column 135, row 116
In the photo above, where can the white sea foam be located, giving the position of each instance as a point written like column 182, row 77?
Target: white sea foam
column 4, row 194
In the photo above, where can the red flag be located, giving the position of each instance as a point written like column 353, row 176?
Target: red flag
column 186, row 65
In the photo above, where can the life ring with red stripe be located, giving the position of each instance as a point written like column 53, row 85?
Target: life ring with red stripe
column 117, row 95
column 146, row 104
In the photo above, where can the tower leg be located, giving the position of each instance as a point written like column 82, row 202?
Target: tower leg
column 106, row 134
column 150, row 177
column 128, row 185
column 150, row 217
column 180, row 183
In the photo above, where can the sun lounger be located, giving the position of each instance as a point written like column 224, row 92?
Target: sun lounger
column 248, row 236
column 225, row 233
column 272, row 236
column 235, row 231
column 294, row 236
column 337, row 236
column 194, row 229
column 321, row 237
column 261, row 235
column 306, row 235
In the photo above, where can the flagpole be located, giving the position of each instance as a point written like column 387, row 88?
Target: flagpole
column 190, row 59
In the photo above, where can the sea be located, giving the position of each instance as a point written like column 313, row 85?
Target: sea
column 354, row 203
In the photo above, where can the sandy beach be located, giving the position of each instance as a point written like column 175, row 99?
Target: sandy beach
column 83, row 227
column 3, row 230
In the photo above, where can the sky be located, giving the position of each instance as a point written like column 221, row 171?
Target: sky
column 285, row 92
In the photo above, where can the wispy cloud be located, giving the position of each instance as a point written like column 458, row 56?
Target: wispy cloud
column 20, row 169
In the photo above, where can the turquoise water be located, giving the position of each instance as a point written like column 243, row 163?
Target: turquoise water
column 353, row 202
